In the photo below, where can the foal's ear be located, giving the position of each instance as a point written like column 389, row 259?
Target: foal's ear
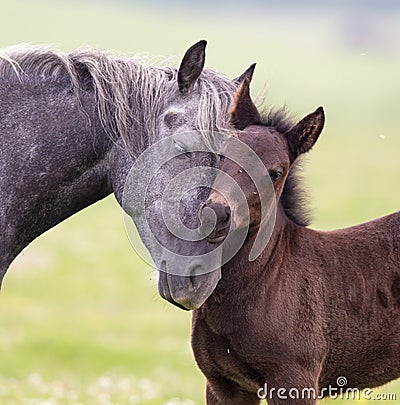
column 247, row 73
column 243, row 111
column 303, row 135
column 191, row 66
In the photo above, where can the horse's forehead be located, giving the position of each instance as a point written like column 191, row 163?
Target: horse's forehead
column 183, row 102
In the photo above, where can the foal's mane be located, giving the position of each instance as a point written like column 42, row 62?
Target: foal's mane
column 130, row 94
column 294, row 197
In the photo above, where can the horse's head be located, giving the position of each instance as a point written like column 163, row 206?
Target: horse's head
column 278, row 150
column 170, row 180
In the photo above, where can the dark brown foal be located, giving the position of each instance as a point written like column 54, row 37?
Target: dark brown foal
column 314, row 305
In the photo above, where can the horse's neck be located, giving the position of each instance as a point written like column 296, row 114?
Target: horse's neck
column 52, row 164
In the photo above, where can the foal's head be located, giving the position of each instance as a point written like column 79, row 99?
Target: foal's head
column 278, row 149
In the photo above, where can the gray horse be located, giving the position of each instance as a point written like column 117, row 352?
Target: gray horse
column 73, row 124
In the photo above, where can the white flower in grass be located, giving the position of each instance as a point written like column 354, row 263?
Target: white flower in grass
column 148, row 388
column 125, row 385
column 35, row 379
column 105, row 383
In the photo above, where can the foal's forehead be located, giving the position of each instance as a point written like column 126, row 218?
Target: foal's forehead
column 261, row 138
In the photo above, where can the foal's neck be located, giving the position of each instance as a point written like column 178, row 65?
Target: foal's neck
column 240, row 274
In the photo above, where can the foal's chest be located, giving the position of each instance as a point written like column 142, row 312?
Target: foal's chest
column 217, row 356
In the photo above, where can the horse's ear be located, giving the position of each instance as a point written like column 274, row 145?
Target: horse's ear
column 247, row 73
column 243, row 111
column 303, row 135
column 191, row 66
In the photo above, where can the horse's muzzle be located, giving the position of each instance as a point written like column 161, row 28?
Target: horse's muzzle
column 187, row 292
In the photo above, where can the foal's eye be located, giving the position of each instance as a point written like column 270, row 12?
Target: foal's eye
column 274, row 175
column 221, row 158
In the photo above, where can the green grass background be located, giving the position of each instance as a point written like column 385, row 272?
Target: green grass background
column 80, row 318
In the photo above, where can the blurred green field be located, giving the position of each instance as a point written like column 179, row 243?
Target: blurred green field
column 80, row 318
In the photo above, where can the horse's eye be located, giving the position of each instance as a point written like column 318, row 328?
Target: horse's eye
column 221, row 158
column 182, row 150
column 274, row 175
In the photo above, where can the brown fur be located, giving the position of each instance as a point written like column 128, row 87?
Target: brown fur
column 314, row 306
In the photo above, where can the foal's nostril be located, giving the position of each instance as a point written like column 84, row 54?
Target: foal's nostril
column 222, row 213
column 216, row 225
column 227, row 214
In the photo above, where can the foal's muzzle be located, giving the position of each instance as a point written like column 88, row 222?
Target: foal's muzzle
column 214, row 212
